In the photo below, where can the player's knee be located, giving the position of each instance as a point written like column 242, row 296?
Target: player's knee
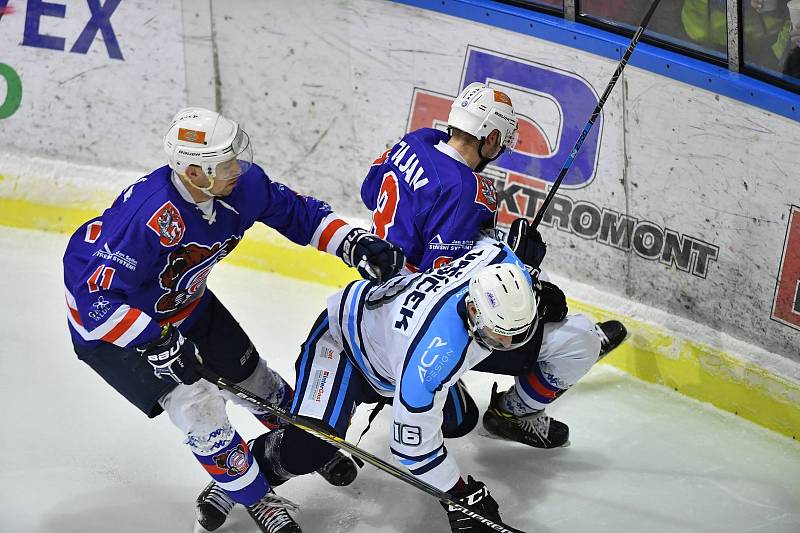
column 303, row 453
column 460, row 412
column 263, row 380
column 288, row 452
column 197, row 409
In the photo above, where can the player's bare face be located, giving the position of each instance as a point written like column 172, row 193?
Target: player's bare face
column 488, row 335
column 502, row 340
column 227, row 176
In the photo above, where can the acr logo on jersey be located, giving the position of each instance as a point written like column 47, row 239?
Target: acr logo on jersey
column 551, row 105
column 786, row 303
column 433, row 354
column 168, row 224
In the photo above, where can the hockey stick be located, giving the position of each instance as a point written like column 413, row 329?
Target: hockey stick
column 571, row 158
column 322, row 433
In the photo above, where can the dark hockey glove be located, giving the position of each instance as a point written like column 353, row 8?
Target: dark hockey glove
column 172, row 356
column 526, row 243
column 475, row 495
column 373, row 257
column 552, row 302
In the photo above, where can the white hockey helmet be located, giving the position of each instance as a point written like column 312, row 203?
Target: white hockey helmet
column 479, row 109
column 505, row 306
column 202, row 137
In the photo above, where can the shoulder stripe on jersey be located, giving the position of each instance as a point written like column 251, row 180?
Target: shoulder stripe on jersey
column 93, row 230
column 382, row 158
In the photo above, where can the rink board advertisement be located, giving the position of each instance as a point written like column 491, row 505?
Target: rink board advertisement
column 89, row 82
column 680, row 199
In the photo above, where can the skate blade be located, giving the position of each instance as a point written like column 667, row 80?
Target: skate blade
column 486, row 433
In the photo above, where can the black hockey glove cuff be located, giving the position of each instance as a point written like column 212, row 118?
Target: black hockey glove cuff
column 172, row 356
column 373, row 257
column 526, row 243
column 475, row 495
column 552, row 302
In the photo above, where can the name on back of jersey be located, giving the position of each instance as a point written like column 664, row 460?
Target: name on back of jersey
column 432, row 283
column 407, row 163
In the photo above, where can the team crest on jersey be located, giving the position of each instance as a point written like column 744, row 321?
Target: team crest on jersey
column 168, row 224
column 233, row 461
column 184, row 276
column 485, row 193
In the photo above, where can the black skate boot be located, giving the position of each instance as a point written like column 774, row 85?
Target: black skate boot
column 213, row 506
column 611, row 334
column 535, row 429
column 339, row 471
column 271, row 516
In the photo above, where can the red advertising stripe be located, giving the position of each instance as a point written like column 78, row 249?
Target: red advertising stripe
column 786, row 307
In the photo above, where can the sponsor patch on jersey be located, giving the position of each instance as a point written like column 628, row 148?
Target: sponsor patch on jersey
column 485, row 193
column 319, row 384
column 101, row 308
column 117, row 257
column 191, row 136
column 233, row 461
column 168, row 224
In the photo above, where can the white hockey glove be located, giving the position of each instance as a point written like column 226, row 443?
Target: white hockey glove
column 373, row 257
column 172, row 356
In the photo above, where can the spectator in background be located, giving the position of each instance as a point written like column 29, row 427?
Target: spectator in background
column 765, row 23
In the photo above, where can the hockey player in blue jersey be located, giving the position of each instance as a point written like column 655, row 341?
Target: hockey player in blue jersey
column 427, row 197
column 408, row 341
column 140, row 313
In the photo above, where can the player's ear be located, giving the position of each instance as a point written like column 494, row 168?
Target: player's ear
column 194, row 171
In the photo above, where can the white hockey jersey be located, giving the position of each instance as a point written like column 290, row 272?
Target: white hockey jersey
column 408, row 336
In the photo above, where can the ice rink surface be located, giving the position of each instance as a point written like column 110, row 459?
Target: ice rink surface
column 75, row 457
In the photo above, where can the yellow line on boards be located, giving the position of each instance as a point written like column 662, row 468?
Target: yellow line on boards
column 651, row 353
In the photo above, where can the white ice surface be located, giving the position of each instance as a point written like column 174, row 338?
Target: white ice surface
column 75, row 457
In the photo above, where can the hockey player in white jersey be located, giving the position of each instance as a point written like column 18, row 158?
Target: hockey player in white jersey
column 407, row 342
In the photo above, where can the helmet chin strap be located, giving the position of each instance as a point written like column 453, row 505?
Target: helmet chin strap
column 473, row 327
column 204, row 190
column 486, row 160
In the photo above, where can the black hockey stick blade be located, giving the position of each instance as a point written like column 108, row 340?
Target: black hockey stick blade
column 311, row 426
column 596, row 113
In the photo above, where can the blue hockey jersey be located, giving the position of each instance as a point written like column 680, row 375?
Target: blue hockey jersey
column 427, row 200
column 145, row 261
